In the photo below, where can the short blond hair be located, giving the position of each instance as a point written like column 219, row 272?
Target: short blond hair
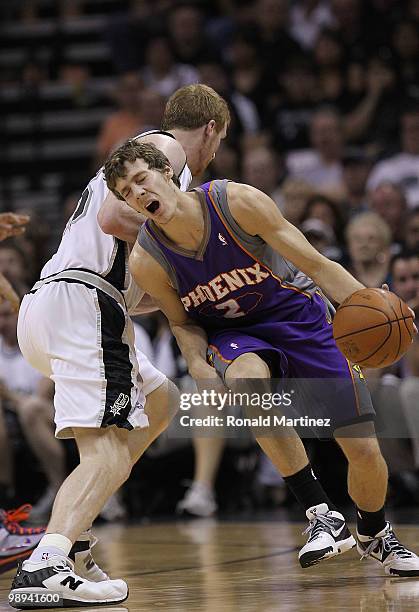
column 193, row 106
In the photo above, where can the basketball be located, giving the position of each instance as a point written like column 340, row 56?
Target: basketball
column 373, row 328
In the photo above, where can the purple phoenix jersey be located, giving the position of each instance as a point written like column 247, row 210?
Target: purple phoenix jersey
column 249, row 299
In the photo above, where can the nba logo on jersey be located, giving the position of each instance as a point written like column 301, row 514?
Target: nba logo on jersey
column 222, row 239
column 119, row 404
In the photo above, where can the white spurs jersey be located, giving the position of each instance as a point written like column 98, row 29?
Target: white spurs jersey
column 85, row 246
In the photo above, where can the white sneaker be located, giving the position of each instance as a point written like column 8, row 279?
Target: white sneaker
column 328, row 536
column 386, row 548
column 37, row 583
column 199, row 500
column 84, row 564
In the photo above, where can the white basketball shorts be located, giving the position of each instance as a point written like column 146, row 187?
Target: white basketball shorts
column 84, row 341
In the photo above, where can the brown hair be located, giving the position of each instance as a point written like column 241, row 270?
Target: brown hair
column 128, row 152
column 193, row 106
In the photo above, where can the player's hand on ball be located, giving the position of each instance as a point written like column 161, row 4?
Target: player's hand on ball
column 415, row 329
column 373, row 327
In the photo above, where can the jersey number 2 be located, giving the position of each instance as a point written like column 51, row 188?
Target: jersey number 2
column 232, row 309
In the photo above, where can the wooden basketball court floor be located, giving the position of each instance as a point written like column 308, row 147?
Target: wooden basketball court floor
column 210, row 566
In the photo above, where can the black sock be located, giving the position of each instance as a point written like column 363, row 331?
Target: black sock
column 370, row 523
column 307, row 489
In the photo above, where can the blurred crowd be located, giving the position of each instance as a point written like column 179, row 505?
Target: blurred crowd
column 324, row 97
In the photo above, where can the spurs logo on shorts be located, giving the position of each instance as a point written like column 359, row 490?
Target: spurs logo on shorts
column 119, row 404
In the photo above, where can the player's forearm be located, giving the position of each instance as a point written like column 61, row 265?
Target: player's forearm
column 193, row 343
column 118, row 219
column 335, row 281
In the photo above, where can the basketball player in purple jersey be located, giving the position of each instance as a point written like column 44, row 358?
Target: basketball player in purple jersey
column 242, row 286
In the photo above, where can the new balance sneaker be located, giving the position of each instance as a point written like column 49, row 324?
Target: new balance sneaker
column 328, row 536
column 16, row 541
column 198, row 501
column 84, row 564
column 386, row 548
column 55, row 577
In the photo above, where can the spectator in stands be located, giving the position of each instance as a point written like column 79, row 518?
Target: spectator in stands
column 356, row 166
column 329, row 56
column 244, row 115
column 152, row 108
column 272, row 31
column 368, row 239
column 322, row 237
column 264, row 169
column 186, row 29
column 249, row 74
column 290, row 107
column 326, row 210
column 349, row 26
column 322, row 224
column 125, row 122
column 225, row 164
column 295, row 193
column 26, row 394
column 413, row 10
column 307, row 19
column 321, row 166
column 403, row 168
column 404, row 274
column 161, row 73
column 370, row 102
column 13, row 262
column 405, row 43
column 411, row 231
column 163, row 347
column 388, row 200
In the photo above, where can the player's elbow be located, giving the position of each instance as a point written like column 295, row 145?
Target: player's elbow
column 107, row 222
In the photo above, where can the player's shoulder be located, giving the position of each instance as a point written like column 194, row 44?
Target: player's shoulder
column 241, row 196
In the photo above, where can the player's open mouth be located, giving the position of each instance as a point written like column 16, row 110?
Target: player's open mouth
column 153, row 207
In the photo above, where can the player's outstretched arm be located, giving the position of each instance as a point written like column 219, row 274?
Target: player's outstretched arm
column 191, row 338
column 257, row 214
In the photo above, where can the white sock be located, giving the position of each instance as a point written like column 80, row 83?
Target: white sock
column 51, row 544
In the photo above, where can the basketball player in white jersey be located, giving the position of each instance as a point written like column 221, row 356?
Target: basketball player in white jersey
column 74, row 327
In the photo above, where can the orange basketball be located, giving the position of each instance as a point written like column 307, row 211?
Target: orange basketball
column 373, row 328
